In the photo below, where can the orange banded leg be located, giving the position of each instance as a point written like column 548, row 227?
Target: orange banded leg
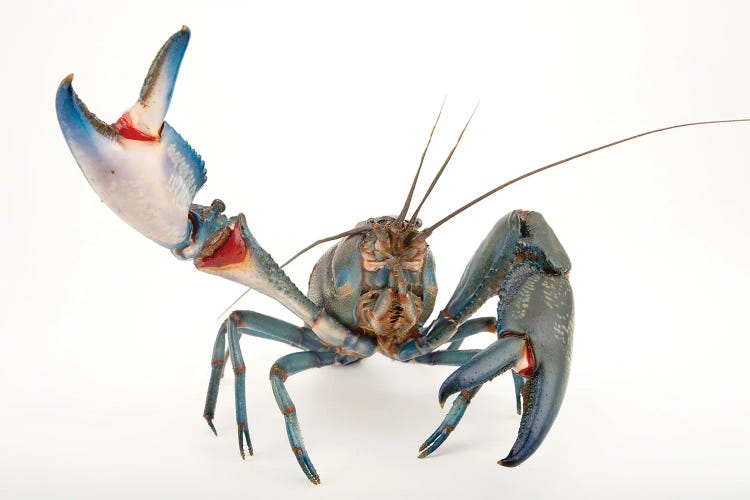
column 283, row 368
column 451, row 420
column 255, row 325
column 238, row 365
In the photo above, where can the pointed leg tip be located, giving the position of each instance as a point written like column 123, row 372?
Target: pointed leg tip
column 246, row 452
column 424, row 454
column 312, row 476
column 248, row 443
column 210, row 422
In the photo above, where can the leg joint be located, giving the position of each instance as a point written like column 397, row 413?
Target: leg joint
column 449, row 317
column 279, row 372
column 317, row 318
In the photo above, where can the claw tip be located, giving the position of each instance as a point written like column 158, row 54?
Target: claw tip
column 505, row 462
column 66, row 82
column 444, row 393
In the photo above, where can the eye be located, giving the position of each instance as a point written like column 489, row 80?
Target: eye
column 371, row 220
column 418, row 223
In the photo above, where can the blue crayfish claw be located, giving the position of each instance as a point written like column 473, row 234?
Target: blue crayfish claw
column 535, row 341
column 139, row 166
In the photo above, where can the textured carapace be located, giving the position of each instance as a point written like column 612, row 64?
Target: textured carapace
column 379, row 282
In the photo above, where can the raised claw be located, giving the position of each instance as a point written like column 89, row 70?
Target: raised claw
column 139, row 166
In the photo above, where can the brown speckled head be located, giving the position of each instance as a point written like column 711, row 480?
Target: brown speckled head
column 393, row 257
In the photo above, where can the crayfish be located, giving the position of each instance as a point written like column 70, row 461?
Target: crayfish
column 374, row 291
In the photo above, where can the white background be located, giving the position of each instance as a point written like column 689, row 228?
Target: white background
column 311, row 116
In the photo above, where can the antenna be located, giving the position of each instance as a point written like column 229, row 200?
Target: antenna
column 401, row 215
column 473, row 202
column 445, row 164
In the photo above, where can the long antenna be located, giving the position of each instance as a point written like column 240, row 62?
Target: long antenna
column 356, row 230
column 402, row 215
column 445, row 164
column 430, row 229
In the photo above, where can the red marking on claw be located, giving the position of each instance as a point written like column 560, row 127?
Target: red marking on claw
column 124, row 128
column 233, row 251
column 528, row 360
column 526, row 364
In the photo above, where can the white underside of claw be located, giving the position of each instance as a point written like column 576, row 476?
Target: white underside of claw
column 150, row 185
column 140, row 166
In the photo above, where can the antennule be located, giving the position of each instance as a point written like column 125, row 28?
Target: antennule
column 402, row 214
column 430, row 229
column 413, row 218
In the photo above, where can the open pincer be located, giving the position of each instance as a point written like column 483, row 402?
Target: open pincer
column 139, row 166
column 149, row 175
